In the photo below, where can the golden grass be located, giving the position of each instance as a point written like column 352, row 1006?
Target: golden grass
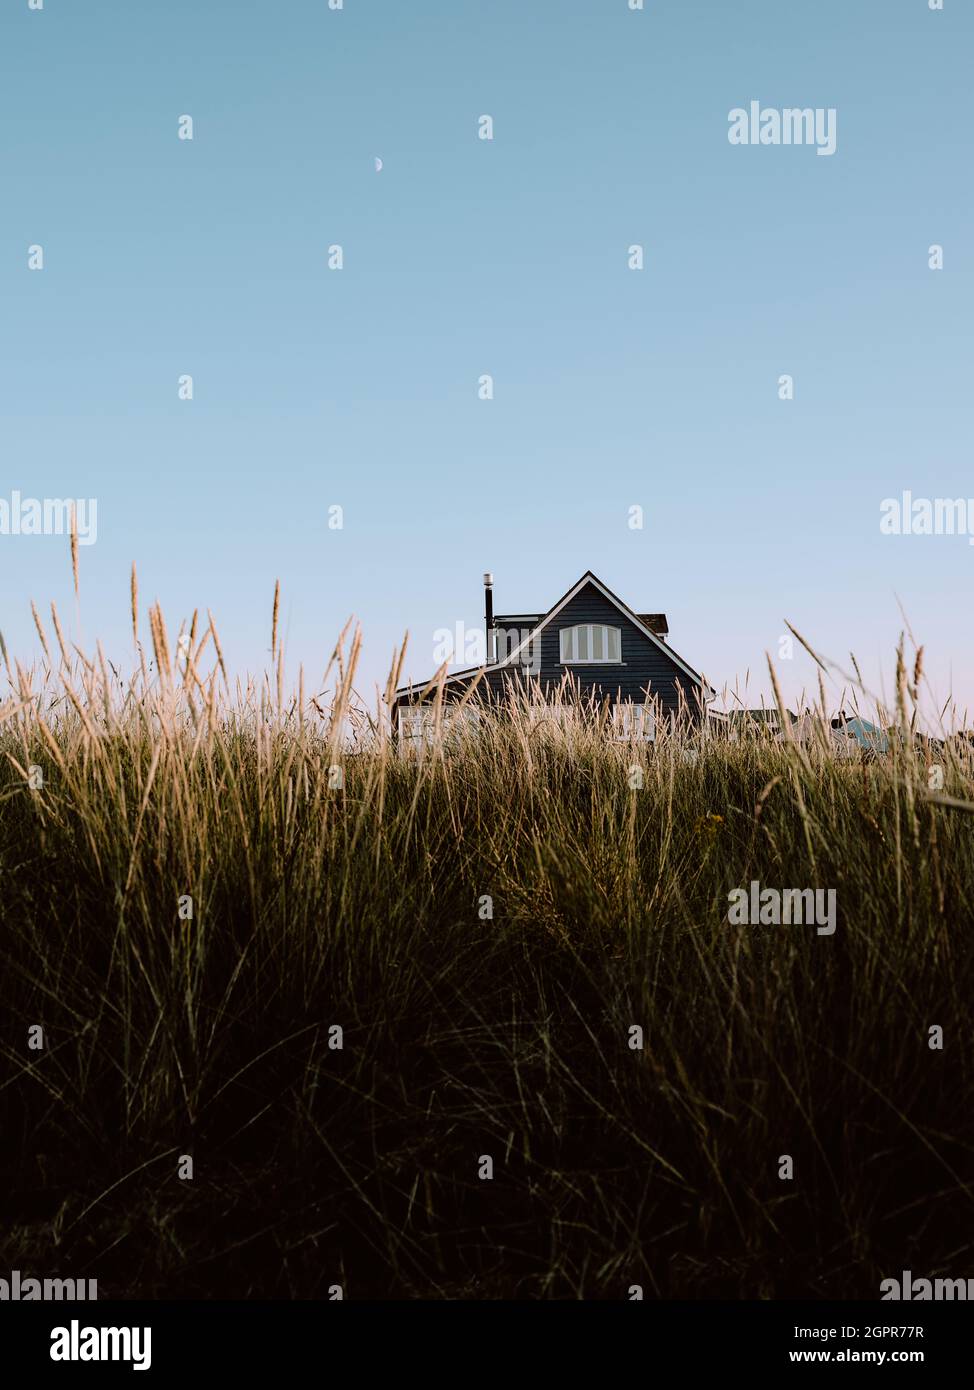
column 486, row 919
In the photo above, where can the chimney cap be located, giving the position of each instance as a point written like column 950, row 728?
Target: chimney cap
column 488, row 579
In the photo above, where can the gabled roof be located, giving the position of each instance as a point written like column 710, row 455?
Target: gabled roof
column 587, row 578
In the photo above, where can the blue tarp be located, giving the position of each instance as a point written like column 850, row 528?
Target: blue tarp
column 867, row 735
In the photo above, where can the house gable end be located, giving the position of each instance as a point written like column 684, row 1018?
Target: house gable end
column 648, row 663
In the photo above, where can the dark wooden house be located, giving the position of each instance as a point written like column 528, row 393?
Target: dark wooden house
column 609, row 654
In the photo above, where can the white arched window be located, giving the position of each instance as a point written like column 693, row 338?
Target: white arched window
column 592, row 644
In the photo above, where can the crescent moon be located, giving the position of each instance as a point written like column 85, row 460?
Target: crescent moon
column 378, row 164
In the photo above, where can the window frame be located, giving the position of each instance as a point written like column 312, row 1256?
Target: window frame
column 628, row 729
column 418, row 725
column 571, row 658
column 548, row 714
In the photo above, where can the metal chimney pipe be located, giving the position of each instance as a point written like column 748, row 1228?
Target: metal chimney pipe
column 489, row 614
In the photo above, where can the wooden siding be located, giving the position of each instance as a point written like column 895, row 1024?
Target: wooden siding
column 644, row 664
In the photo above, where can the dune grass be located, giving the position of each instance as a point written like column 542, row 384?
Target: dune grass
column 200, row 885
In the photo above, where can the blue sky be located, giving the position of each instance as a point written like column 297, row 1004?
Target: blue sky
column 612, row 387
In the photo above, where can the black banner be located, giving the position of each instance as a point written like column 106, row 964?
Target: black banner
column 168, row 1339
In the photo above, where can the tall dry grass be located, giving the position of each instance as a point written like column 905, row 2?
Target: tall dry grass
column 358, row 898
